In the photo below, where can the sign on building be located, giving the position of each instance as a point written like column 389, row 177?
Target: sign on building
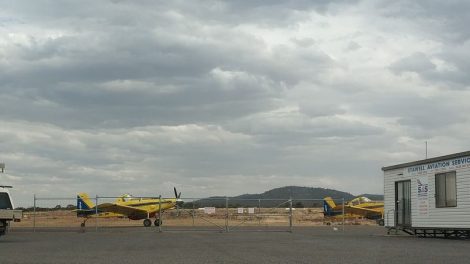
column 422, row 186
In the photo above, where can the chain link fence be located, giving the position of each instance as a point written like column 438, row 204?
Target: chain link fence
column 221, row 214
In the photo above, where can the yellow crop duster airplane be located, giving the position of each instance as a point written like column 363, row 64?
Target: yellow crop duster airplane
column 357, row 207
column 127, row 206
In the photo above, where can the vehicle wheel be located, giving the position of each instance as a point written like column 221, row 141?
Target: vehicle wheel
column 157, row 222
column 147, row 222
column 381, row 222
column 82, row 224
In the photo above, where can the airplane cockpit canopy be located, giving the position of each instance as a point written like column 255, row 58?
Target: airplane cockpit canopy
column 360, row 200
column 126, row 197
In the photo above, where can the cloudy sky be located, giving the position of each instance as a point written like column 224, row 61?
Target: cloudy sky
column 224, row 98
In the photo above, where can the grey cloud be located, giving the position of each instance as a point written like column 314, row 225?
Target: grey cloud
column 458, row 60
column 427, row 116
column 319, row 108
column 68, row 73
column 126, row 96
column 292, row 128
column 452, row 76
column 304, row 42
column 130, row 13
column 417, row 62
column 353, row 46
column 446, row 20
column 443, row 23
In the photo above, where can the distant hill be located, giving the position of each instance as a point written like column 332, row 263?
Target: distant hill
column 282, row 194
column 297, row 192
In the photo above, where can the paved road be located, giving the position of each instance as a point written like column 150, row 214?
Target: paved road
column 358, row 244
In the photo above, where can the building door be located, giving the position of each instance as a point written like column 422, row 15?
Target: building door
column 403, row 203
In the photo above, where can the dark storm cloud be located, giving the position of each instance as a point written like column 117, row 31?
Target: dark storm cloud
column 164, row 55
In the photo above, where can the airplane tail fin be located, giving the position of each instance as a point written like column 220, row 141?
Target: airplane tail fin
column 84, row 204
column 328, row 206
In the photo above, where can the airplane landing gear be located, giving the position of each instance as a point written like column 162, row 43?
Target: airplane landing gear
column 147, row 222
column 157, row 222
column 84, row 222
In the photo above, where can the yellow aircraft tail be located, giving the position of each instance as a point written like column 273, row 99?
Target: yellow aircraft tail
column 329, row 201
column 329, row 206
column 84, row 202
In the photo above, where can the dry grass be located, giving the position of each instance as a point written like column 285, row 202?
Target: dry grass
column 269, row 217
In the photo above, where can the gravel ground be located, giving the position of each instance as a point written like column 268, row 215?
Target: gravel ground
column 358, row 244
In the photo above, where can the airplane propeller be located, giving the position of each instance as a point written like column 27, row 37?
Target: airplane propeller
column 179, row 202
column 176, row 193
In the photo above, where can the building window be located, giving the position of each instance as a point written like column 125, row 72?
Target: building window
column 446, row 189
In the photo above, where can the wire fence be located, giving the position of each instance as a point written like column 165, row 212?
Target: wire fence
column 221, row 214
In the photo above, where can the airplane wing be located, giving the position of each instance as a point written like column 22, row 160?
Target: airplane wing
column 122, row 209
column 364, row 211
column 355, row 208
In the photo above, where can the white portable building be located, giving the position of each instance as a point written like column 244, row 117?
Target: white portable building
column 429, row 197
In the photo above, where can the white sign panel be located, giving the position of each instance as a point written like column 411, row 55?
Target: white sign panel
column 209, row 210
column 251, row 210
column 240, row 210
column 422, row 186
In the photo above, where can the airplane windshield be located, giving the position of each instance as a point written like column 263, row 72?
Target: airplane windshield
column 360, row 200
column 5, row 202
column 126, row 197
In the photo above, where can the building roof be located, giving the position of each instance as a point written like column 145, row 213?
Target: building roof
column 431, row 160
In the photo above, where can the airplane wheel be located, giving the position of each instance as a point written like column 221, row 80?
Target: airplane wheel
column 381, row 222
column 147, row 222
column 157, row 222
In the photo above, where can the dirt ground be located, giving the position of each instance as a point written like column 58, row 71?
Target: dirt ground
column 187, row 217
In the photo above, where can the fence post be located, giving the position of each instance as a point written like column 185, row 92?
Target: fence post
column 96, row 213
column 290, row 214
column 160, row 213
column 226, row 214
column 34, row 213
column 342, row 202
column 193, row 213
column 395, row 218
